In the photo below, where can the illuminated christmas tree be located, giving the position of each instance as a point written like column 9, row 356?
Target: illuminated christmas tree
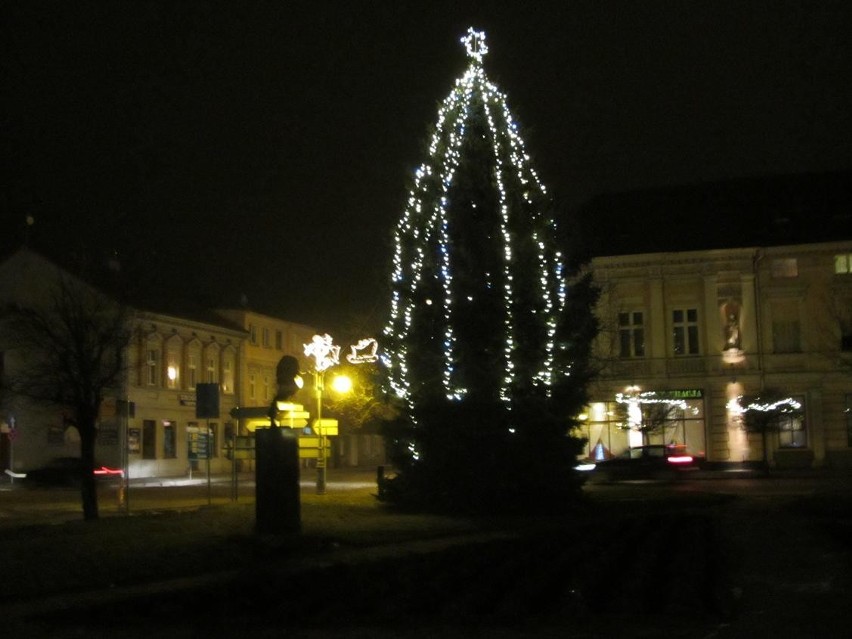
column 478, row 344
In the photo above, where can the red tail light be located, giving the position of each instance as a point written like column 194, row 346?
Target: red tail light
column 680, row 459
column 103, row 470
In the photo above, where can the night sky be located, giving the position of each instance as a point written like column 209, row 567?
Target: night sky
column 231, row 149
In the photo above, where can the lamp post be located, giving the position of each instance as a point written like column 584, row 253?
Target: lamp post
column 319, row 383
column 325, row 355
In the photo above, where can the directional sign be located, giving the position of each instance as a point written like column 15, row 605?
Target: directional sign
column 327, row 427
column 313, row 453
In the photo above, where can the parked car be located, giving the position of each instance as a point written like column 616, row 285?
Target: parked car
column 67, row 471
column 655, row 461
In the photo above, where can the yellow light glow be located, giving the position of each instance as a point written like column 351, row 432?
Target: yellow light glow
column 341, row 384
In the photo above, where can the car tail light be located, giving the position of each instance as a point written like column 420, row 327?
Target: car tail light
column 103, row 470
column 680, row 459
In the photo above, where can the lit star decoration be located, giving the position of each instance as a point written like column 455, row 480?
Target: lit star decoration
column 324, row 352
column 474, row 42
column 425, row 227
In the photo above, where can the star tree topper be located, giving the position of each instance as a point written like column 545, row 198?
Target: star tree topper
column 474, row 42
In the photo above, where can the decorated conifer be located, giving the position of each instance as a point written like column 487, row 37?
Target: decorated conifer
column 486, row 345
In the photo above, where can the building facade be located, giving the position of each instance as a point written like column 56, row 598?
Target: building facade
column 157, row 420
column 149, row 425
column 704, row 328
column 268, row 339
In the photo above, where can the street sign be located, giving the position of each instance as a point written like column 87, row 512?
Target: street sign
column 327, row 427
column 253, row 424
column 313, row 453
column 310, row 442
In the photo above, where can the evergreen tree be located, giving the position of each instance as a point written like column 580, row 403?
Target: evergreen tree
column 486, row 345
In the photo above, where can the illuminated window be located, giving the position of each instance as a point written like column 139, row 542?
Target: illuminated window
column 785, row 267
column 228, row 372
column 685, row 331
column 173, row 363
column 843, row 264
column 631, row 334
column 791, row 429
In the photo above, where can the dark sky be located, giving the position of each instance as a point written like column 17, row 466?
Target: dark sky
column 230, row 148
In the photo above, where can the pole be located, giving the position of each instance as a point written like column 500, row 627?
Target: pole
column 209, row 446
column 319, row 380
column 124, row 498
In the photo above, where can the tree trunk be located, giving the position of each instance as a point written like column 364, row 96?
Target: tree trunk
column 88, row 488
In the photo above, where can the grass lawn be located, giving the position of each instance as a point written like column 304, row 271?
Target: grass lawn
column 357, row 565
column 143, row 547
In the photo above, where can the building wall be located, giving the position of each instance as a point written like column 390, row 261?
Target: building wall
column 268, row 340
column 724, row 323
column 169, row 357
column 134, row 439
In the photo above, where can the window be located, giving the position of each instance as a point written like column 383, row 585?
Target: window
column 169, row 440
column 192, row 370
column 786, row 328
column 251, row 386
column 685, row 331
column 253, row 334
column 149, row 439
column 843, row 264
column 791, row 429
column 228, row 372
column 786, row 336
column 265, row 337
column 631, row 334
column 266, row 387
column 211, row 369
column 785, row 267
column 173, row 363
column 279, row 340
column 151, row 366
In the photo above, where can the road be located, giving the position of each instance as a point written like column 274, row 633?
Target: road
column 22, row 504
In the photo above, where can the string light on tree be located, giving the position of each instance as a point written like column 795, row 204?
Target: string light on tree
column 464, row 254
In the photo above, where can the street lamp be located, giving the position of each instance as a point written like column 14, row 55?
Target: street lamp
column 325, row 355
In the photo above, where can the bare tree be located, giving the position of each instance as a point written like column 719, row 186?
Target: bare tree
column 70, row 353
column 654, row 415
column 766, row 413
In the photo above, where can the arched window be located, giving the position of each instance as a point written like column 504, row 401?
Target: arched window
column 229, row 362
column 152, row 360
column 174, row 346
column 193, row 362
column 211, row 363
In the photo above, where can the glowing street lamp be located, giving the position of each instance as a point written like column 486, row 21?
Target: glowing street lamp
column 325, row 355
